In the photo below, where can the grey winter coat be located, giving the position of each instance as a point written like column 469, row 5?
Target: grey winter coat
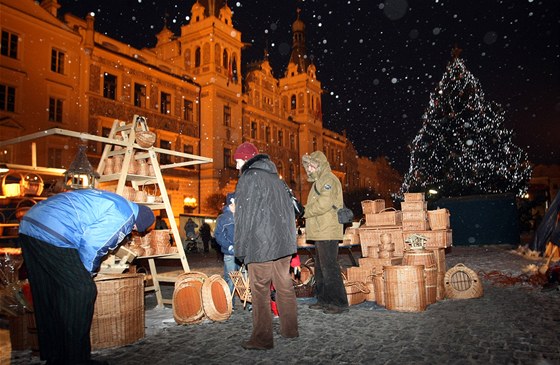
column 321, row 219
column 265, row 228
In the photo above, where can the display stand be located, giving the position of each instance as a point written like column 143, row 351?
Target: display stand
column 127, row 133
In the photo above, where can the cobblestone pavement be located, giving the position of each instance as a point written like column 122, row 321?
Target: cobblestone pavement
column 515, row 324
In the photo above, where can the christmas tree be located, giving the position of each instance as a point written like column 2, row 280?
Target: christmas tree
column 463, row 147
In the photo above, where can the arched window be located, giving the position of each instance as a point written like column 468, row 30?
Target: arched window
column 225, row 59
column 293, row 103
column 217, row 52
column 197, row 57
column 206, row 54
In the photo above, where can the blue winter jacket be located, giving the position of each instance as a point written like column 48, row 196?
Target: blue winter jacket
column 91, row 221
column 224, row 231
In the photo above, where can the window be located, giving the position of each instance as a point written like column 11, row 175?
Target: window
column 57, row 61
column 140, row 95
column 228, row 161
column 55, row 110
column 109, row 86
column 315, row 144
column 227, row 116
column 253, row 129
column 293, row 102
column 280, row 138
column 188, row 110
column 187, row 148
column 267, row 135
column 197, row 57
column 9, row 45
column 7, row 98
column 292, row 177
column 292, row 141
column 54, row 157
column 165, row 106
column 163, row 157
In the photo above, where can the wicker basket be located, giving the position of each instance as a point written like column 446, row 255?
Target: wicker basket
column 187, row 298
column 13, row 185
column 405, row 288
column 145, row 139
column 415, row 225
column 439, row 219
column 413, row 197
column 216, row 298
column 414, row 205
column 373, row 206
column 462, row 283
column 435, row 239
column 356, row 292
column 23, row 207
column 387, row 217
column 118, row 317
column 32, row 185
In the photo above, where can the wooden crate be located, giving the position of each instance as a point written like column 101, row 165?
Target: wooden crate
column 387, row 217
column 415, row 225
column 413, row 197
column 414, row 215
column 370, row 236
column 373, row 206
column 414, row 205
column 436, row 239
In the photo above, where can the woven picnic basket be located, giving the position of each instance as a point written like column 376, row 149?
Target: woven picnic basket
column 216, row 298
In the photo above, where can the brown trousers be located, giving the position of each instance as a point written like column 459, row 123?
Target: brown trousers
column 261, row 274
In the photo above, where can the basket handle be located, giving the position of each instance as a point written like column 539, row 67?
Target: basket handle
column 388, row 209
column 26, row 200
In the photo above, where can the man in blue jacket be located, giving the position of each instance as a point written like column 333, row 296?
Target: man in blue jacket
column 63, row 241
column 265, row 240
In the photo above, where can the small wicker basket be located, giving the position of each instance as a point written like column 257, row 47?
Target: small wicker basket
column 460, row 282
column 145, row 139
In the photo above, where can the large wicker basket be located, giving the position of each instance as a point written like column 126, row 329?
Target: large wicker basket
column 439, row 219
column 145, row 139
column 118, row 317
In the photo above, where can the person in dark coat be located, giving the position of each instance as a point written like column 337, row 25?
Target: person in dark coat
column 206, row 236
column 64, row 240
column 322, row 226
column 265, row 240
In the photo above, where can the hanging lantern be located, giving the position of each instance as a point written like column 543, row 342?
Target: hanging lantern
column 80, row 174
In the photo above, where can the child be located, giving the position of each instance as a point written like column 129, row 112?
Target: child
column 224, row 236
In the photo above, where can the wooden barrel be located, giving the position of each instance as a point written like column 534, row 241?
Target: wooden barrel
column 405, row 288
column 428, row 259
column 216, row 298
column 187, row 299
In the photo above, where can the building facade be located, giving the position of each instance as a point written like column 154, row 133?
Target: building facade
column 60, row 73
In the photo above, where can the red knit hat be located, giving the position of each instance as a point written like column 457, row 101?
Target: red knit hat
column 245, row 151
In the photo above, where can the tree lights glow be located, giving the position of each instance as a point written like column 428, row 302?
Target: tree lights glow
column 463, row 147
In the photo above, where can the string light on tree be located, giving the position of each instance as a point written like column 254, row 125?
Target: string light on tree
column 463, row 147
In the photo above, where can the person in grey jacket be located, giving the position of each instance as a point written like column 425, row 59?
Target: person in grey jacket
column 322, row 226
column 265, row 240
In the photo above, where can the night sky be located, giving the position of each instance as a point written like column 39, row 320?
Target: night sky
column 378, row 61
